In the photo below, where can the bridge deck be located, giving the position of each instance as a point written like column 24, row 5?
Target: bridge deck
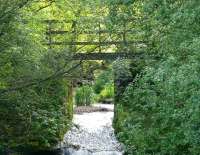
column 105, row 43
column 105, row 56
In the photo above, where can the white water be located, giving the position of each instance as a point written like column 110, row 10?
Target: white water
column 94, row 135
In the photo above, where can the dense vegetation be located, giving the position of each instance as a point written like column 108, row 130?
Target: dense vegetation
column 156, row 95
column 159, row 112
column 100, row 89
column 36, row 80
column 104, row 86
column 84, row 96
column 34, row 112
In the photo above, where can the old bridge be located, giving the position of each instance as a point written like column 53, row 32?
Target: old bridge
column 103, row 40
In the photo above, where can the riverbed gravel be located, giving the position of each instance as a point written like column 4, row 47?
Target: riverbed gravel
column 92, row 134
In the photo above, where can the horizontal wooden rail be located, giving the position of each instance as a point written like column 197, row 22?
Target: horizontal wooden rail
column 106, row 43
column 86, row 19
column 55, row 32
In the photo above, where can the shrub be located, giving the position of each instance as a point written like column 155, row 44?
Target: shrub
column 107, row 92
column 35, row 117
column 84, row 96
column 102, row 79
column 163, row 110
column 122, row 75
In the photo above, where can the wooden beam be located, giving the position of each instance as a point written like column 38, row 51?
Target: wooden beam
column 86, row 19
column 106, row 56
column 55, row 32
column 105, row 43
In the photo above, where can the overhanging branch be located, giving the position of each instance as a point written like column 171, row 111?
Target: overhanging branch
column 39, row 81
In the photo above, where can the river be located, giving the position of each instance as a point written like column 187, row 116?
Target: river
column 91, row 134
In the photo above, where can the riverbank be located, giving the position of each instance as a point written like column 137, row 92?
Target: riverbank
column 91, row 134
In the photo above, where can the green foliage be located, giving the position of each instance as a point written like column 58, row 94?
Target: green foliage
column 163, row 101
column 70, row 104
column 121, row 115
column 157, row 114
column 33, row 111
column 102, row 79
column 84, row 96
column 122, row 76
column 164, row 110
column 106, row 93
column 104, row 85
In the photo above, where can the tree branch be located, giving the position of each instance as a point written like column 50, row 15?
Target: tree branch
column 43, row 7
column 17, row 7
column 39, row 81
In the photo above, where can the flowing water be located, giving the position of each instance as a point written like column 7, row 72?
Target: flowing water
column 92, row 134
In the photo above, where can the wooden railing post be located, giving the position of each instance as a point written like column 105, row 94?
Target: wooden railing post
column 74, row 37
column 124, row 35
column 99, row 37
column 49, row 38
